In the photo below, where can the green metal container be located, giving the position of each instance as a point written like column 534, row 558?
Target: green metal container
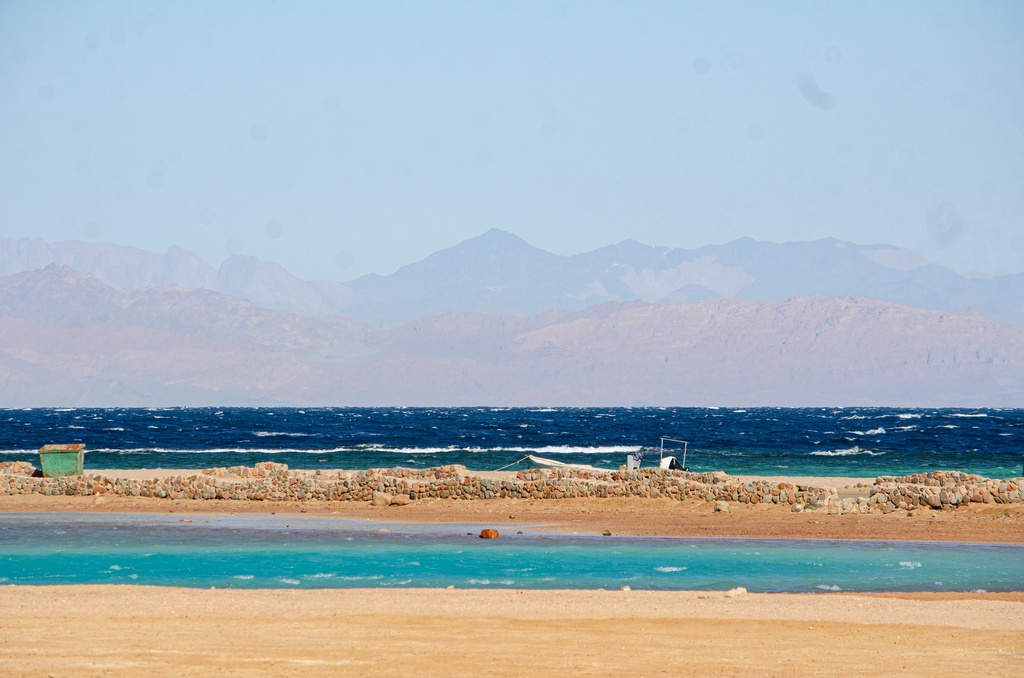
column 62, row 460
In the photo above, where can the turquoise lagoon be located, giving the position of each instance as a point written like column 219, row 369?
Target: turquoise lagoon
column 251, row 551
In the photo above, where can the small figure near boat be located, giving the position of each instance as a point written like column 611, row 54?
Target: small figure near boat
column 672, row 464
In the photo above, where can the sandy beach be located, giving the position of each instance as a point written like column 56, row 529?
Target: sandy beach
column 121, row 631
column 130, row 631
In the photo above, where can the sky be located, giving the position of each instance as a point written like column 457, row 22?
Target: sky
column 344, row 138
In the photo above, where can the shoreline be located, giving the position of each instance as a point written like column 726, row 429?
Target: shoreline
column 655, row 503
column 618, row 516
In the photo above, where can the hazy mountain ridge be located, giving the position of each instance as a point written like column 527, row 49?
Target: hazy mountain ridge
column 124, row 268
column 498, row 273
column 68, row 339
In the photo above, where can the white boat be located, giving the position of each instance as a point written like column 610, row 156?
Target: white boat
column 551, row 463
column 670, row 462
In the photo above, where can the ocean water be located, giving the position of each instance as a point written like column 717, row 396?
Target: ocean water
column 769, row 441
column 293, row 552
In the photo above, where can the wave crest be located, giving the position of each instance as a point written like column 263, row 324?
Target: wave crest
column 848, row 452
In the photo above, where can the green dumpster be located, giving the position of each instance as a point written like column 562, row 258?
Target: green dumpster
column 62, row 460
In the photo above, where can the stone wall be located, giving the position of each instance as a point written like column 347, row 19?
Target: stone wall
column 942, row 490
column 268, row 481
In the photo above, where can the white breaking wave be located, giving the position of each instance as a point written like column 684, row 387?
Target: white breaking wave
column 909, row 564
column 908, row 415
column 828, row 587
column 281, row 434
column 848, row 452
column 669, row 568
column 543, row 449
column 873, row 432
column 967, row 415
column 572, row 450
column 220, row 450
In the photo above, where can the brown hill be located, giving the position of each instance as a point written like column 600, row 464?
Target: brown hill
column 68, row 339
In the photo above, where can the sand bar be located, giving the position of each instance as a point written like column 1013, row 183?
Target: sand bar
column 620, row 516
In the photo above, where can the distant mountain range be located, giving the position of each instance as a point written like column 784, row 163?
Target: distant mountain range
column 498, row 273
column 69, row 339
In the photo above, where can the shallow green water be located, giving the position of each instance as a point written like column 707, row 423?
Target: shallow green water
column 279, row 552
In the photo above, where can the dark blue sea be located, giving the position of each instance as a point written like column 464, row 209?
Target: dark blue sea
column 768, row 441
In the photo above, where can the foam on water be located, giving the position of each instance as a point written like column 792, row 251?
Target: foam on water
column 848, row 452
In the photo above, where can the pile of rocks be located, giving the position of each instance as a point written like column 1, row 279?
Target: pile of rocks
column 268, row 481
column 17, row 468
column 942, row 490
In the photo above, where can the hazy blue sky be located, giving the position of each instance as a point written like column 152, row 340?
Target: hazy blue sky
column 346, row 138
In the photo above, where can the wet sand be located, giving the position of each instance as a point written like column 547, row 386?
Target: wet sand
column 620, row 516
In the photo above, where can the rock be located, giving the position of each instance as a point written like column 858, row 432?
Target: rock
column 721, row 507
column 489, row 534
column 607, row 533
column 380, row 499
column 797, row 508
column 736, row 592
column 400, row 500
